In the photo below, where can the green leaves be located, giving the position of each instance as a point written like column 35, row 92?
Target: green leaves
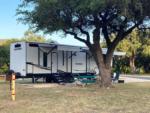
column 55, row 15
column 29, row 36
column 131, row 44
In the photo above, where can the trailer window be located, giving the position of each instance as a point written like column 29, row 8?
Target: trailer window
column 17, row 45
column 33, row 45
column 63, row 58
column 45, row 59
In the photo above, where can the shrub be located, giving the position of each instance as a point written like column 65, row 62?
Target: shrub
column 141, row 70
column 126, row 69
column 3, row 69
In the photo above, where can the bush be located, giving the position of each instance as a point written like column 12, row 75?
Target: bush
column 126, row 69
column 141, row 70
column 4, row 69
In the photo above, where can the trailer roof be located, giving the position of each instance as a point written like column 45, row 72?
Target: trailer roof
column 63, row 47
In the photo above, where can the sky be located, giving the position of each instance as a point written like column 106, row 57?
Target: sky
column 11, row 28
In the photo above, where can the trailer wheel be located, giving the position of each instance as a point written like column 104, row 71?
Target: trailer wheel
column 48, row 80
column 33, row 79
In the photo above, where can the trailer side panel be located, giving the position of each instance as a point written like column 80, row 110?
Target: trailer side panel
column 18, row 58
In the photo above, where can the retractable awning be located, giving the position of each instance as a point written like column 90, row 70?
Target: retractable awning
column 104, row 50
column 68, row 48
column 61, row 47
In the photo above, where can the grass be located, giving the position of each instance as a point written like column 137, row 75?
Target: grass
column 124, row 98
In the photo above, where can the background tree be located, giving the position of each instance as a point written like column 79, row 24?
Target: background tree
column 143, row 57
column 5, row 55
column 81, row 18
column 138, row 43
column 29, row 36
column 146, row 43
column 131, row 45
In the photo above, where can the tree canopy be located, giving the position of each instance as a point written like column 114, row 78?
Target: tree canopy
column 54, row 15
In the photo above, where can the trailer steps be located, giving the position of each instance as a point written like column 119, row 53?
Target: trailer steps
column 61, row 78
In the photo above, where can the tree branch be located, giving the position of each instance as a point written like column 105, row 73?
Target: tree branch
column 96, row 31
column 105, row 22
column 96, row 35
column 84, row 32
column 121, row 35
column 75, row 36
column 129, row 31
column 106, row 36
column 97, row 22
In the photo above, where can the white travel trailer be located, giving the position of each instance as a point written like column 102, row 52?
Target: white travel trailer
column 48, row 60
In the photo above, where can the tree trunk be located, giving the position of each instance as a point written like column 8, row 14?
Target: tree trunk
column 104, row 70
column 105, row 75
column 132, row 64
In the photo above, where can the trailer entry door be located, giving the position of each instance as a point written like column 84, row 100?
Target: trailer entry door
column 44, row 59
column 54, row 62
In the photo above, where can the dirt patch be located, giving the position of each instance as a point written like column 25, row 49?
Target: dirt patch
column 2, row 77
column 41, row 85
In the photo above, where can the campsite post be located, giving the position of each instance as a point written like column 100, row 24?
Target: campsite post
column 13, row 78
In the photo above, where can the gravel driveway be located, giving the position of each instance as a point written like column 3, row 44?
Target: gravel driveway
column 135, row 78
